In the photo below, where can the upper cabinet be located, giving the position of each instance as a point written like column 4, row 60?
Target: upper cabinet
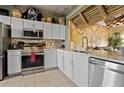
column 38, row 25
column 28, row 24
column 50, row 30
column 5, row 19
column 47, row 31
column 62, row 31
column 16, row 27
column 16, row 23
column 55, row 32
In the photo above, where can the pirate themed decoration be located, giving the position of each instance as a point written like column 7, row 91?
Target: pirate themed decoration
column 32, row 14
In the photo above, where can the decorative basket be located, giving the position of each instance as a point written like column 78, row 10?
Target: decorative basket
column 16, row 12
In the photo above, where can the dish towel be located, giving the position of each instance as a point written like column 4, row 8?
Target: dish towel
column 33, row 57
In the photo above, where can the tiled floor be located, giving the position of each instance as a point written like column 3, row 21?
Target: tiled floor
column 51, row 78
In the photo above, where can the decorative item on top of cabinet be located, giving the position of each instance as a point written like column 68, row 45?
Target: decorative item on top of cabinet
column 17, row 12
column 32, row 14
column 4, row 12
column 53, row 20
column 62, row 20
column 49, row 19
column 43, row 19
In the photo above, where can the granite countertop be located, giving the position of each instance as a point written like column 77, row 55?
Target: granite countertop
column 105, row 55
column 110, row 56
column 23, row 52
column 14, row 50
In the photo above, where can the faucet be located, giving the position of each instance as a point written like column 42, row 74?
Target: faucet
column 83, row 42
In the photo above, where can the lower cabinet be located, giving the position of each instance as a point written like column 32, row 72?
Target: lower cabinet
column 50, row 59
column 60, row 59
column 80, row 69
column 74, row 65
column 14, row 62
column 68, row 65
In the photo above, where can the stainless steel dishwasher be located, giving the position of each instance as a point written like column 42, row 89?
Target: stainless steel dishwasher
column 104, row 73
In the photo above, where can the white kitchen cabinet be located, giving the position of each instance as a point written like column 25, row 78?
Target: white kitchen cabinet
column 68, row 65
column 38, row 25
column 60, row 59
column 47, row 33
column 16, row 27
column 14, row 61
column 5, row 19
column 50, row 59
column 62, row 31
column 16, row 23
column 80, row 69
column 55, row 32
column 16, row 33
column 28, row 24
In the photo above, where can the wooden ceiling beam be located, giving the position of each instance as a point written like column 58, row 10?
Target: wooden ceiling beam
column 103, row 11
column 83, row 17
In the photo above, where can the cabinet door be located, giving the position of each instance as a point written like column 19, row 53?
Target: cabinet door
column 47, row 33
column 60, row 60
column 62, row 32
column 80, row 69
column 56, row 32
column 14, row 64
column 68, row 64
column 16, row 33
column 38, row 25
column 16, row 27
column 50, row 59
column 28, row 24
column 5, row 19
column 16, row 23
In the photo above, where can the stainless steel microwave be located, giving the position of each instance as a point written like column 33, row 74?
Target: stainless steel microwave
column 33, row 33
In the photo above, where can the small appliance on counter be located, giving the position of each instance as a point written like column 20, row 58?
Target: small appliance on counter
column 20, row 45
column 14, row 46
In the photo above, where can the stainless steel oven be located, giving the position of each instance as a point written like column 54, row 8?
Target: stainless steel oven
column 28, row 65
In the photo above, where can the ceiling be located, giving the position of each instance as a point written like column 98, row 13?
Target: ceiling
column 56, row 9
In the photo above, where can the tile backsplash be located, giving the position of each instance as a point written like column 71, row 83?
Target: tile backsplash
column 49, row 43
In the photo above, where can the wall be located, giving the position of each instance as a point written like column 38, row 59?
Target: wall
column 49, row 43
column 74, row 12
column 120, row 30
column 97, row 35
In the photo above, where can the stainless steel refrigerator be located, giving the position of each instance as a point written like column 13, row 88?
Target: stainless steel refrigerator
column 4, row 46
